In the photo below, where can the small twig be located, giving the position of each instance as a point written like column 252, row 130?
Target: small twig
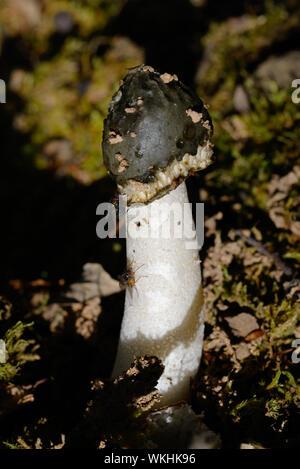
column 264, row 250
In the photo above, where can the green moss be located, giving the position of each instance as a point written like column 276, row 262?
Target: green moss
column 67, row 99
column 236, row 42
column 18, row 350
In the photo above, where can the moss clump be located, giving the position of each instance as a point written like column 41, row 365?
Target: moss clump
column 18, row 350
column 66, row 102
column 73, row 68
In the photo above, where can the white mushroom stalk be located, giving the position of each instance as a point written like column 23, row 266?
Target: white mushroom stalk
column 163, row 313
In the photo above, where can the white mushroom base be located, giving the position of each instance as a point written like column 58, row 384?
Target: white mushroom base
column 163, row 313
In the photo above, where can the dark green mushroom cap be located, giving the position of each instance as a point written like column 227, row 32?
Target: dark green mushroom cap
column 153, row 120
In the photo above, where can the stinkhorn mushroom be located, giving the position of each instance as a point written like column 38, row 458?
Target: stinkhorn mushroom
column 157, row 133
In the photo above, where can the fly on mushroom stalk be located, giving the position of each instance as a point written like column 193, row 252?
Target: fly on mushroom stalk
column 128, row 277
